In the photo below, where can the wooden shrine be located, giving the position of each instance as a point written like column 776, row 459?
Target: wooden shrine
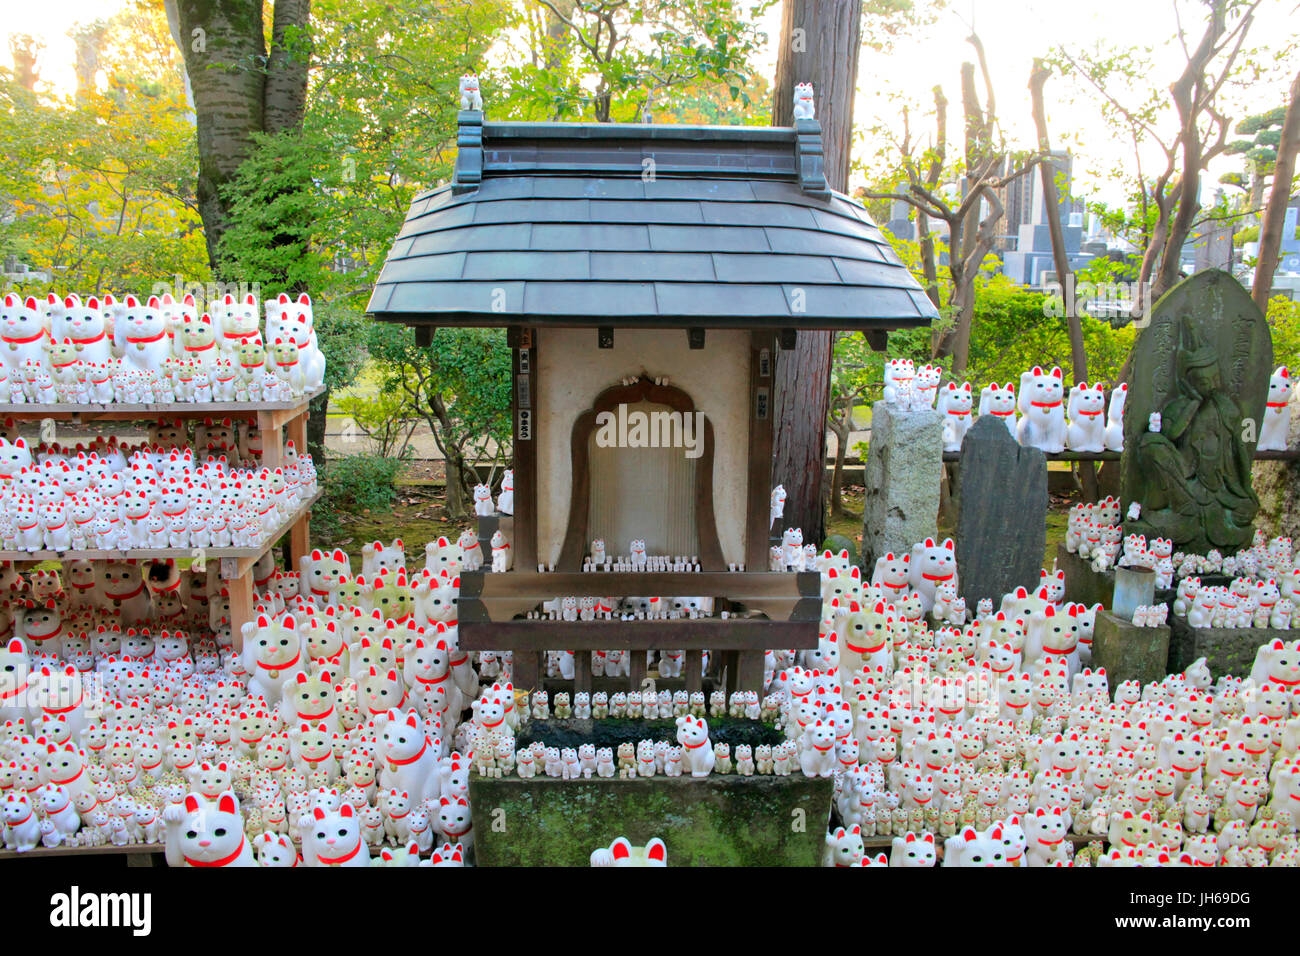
column 643, row 270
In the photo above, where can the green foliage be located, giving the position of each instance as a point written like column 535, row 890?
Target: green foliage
column 617, row 61
column 1015, row 330
column 98, row 188
column 1284, row 321
column 357, row 484
column 386, row 418
column 460, row 385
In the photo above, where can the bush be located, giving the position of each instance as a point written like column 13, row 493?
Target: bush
column 356, row 484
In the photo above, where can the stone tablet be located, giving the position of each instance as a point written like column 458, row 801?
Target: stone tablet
column 1203, row 365
column 1001, row 513
column 904, row 464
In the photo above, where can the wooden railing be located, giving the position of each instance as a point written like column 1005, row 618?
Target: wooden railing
column 489, row 605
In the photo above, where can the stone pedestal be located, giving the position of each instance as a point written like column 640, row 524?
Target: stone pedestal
column 1001, row 512
column 1128, row 652
column 1083, row 585
column 1228, row 650
column 904, row 463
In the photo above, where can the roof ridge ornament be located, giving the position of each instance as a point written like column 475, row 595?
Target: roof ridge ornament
column 468, row 173
column 808, row 150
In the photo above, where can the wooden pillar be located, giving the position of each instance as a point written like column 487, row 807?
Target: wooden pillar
column 523, row 401
column 526, row 670
column 635, row 668
column 762, row 374
column 272, row 440
column 297, row 431
column 749, row 671
column 582, row 672
column 691, row 669
column 241, row 605
column 731, row 661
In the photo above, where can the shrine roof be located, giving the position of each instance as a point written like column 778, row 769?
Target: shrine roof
column 576, row 224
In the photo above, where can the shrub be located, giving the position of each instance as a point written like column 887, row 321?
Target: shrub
column 356, row 484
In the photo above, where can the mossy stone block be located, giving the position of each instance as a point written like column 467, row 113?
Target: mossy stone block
column 719, row 820
column 1083, row 585
column 1227, row 650
column 1128, row 652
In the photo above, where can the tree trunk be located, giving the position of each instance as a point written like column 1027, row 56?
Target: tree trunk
column 316, row 428
column 842, row 427
column 287, row 64
column 803, row 377
column 221, row 39
column 1270, row 230
column 823, row 52
column 1078, row 357
column 1187, row 95
column 235, row 96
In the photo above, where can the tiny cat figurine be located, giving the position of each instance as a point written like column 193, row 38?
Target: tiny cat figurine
column 470, row 98
column 506, row 500
column 1277, row 412
column 501, row 557
column 482, row 500
column 778, row 505
column 804, row 108
column 954, row 405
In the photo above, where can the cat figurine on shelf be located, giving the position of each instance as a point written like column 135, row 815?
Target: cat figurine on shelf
column 470, row 97
column 482, row 501
column 501, row 555
column 1000, row 401
column 1087, row 429
column 1042, row 422
column 955, row 405
column 506, row 500
column 203, row 834
column 1115, row 418
column 141, row 337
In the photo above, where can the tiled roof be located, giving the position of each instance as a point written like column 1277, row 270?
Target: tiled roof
column 561, row 224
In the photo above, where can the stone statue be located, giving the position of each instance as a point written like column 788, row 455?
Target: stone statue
column 1201, row 371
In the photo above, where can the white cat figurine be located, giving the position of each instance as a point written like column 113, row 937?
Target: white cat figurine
column 1277, row 412
column 470, row 98
column 1042, row 424
column 804, row 108
column 1087, row 429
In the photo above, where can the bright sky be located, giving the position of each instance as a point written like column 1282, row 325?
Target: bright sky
column 1013, row 31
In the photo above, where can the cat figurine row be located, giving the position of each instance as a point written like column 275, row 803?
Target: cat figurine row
column 157, row 349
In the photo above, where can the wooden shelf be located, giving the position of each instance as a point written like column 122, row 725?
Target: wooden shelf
column 114, row 411
column 735, row 634
column 159, row 554
column 1291, row 454
column 44, row 852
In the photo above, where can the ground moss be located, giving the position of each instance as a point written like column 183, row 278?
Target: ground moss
column 712, row 821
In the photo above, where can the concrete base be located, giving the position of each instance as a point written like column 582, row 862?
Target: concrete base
column 1228, row 650
column 1083, row 585
column 1128, row 652
column 719, row 820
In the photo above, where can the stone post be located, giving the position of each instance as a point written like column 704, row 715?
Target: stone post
column 904, row 464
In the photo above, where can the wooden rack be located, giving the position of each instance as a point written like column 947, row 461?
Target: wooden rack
column 489, row 602
column 236, row 564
